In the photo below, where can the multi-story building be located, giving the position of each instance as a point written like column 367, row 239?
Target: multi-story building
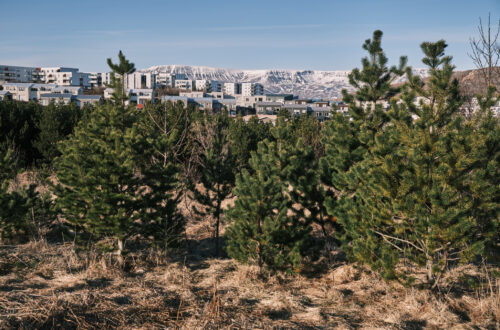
column 268, row 108
column 232, row 88
column 249, row 101
column 100, row 79
column 281, row 98
column 10, row 73
column 58, row 98
column 140, row 80
column 21, row 91
column 184, row 84
column 165, row 79
column 65, row 76
column 251, row 89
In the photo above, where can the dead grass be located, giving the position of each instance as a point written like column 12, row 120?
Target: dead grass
column 46, row 285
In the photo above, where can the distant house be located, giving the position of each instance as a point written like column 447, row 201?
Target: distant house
column 5, row 95
column 141, row 96
column 268, row 108
column 82, row 100
column 296, row 109
column 58, row 98
column 320, row 112
column 175, row 99
column 281, row 98
column 75, row 90
column 21, row 91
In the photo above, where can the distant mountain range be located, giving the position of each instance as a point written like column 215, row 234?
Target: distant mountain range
column 303, row 83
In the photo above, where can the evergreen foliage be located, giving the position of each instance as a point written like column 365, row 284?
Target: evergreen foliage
column 119, row 76
column 409, row 179
column 264, row 226
column 245, row 137
column 13, row 206
column 54, row 124
column 107, row 187
column 216, row 169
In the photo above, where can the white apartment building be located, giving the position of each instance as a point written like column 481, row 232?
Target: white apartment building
column 249, row 101
column 251, row 89
column 139, row 95
column 57, row 98
column 140, row 80
column 232, row 88
column 21, row 91
column 166, row 79
column 99, row 79
column 184, row 84
column 207, row 85
column 65, row 77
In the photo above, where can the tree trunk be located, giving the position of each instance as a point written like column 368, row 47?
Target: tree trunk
column 217, row 224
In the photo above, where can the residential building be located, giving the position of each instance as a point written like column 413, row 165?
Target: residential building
column 249, row 101
column 10, row 73
column 99, row 79
column 296, row 109
column 65, row 77
column 165, row 79
column 268, row 108
column 83, row 100
column 192, row 94
column 5, row 95
column 75, row 90
column 184, row 84
column 232, row 88
column 141, row 95
column 21, row 91
column 58, row 98
column 251, row 89
column 175, row 99
column 320, row 112
column 281, row 98
column 140, row 80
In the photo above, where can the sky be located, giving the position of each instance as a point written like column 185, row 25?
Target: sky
column 238, row 34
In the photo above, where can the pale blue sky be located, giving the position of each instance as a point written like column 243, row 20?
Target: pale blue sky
column 305, row 34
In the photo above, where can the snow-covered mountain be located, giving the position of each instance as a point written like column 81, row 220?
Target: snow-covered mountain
column 304, row 83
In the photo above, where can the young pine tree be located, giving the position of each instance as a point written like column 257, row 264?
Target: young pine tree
column 216, row 169
column 119, row 77
column 264, row 226
column 419, row 200
column 347, row 139
column 108, row 187
column 13, row 206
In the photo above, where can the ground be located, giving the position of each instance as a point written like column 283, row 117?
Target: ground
column 50, row 285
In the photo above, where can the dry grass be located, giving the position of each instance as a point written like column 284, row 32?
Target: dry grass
column 51, row 286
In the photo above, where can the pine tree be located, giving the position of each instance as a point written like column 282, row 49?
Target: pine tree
column 216, row 169
column 119, row 76
column 347, row 139
column 54, row 124
column 107, row 185
column 264, row 226
column 13, row 206
column 417, row 202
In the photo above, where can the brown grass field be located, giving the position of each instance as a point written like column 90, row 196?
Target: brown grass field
column 46, row 284
column 49, row 285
